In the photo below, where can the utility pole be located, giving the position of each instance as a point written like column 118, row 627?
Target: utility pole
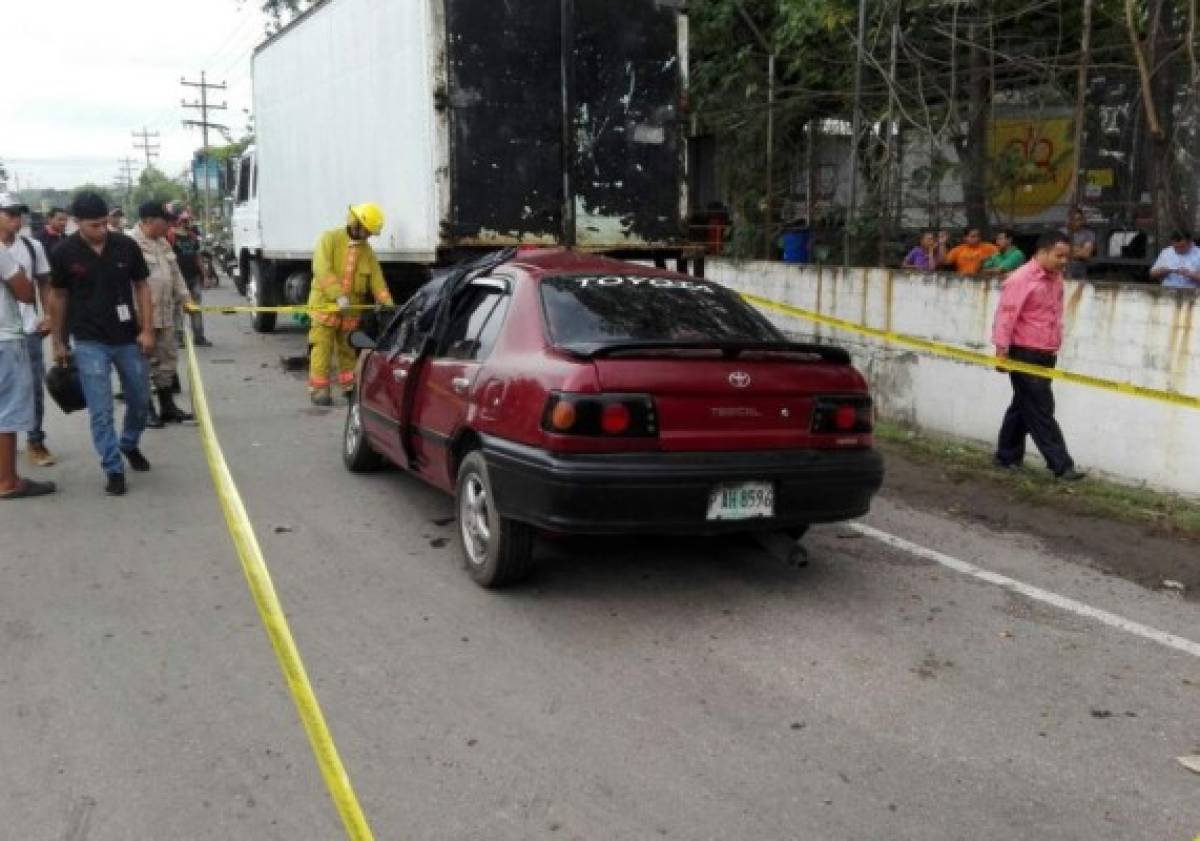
column 204, row 106
column 142, row 141
column 125, row 177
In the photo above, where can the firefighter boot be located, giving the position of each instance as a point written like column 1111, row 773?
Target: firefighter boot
column 320, row 397
column 170, row 413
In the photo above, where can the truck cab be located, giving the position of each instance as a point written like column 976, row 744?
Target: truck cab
column 247, row 241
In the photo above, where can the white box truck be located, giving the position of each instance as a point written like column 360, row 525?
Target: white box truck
column 475, row 124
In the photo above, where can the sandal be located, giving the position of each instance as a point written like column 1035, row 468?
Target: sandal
column 28, row 488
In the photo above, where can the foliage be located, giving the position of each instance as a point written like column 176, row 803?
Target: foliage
column 154, row 185
column 230, row 150
column 281, row 11
column 935, row 73
column 729, row 90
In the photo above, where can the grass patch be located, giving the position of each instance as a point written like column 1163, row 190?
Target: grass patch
column 1161, row 512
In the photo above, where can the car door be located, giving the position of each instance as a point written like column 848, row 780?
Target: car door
column 449, row 378
column 384, row 376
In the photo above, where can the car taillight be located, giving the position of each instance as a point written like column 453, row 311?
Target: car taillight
column 607, row 415
column 843, row 414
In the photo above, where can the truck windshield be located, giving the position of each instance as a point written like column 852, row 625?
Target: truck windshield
column 611, row 309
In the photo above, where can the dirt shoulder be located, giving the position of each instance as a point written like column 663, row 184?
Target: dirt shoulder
column 1140, row 535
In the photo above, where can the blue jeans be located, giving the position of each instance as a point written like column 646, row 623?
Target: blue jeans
column 37, row 364
column 96, row 361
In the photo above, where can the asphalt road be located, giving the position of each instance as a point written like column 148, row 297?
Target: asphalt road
column 633, row 689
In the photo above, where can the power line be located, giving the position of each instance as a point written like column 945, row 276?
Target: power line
column 142, row 142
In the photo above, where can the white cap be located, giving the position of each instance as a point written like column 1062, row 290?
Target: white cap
column 10, row 202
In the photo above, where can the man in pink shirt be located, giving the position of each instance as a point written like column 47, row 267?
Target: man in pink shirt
column 1028, row 328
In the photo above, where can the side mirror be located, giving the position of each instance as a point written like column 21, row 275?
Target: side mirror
column 361, row 341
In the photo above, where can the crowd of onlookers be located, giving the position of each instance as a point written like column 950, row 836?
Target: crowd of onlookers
column 107, row 297
column 1177, row 266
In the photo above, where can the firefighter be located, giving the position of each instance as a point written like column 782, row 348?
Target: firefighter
column 346, row 273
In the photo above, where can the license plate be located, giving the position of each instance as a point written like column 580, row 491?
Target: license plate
column 742, row 501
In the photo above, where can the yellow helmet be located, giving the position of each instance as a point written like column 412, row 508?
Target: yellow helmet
column 369, row 215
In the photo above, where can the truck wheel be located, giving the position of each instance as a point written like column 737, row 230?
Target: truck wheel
column 497, row 551
column 260, row 296
column 357, row 454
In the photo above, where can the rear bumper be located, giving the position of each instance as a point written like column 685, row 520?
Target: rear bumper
column 668, row 493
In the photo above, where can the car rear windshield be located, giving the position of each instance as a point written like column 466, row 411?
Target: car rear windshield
column 611, row 309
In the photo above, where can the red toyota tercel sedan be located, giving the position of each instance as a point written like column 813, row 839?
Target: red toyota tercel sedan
column 552, row 391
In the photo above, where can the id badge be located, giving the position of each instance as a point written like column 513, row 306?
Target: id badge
column 123, row 313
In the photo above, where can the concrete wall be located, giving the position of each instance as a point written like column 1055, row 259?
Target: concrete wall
column 1140, row 334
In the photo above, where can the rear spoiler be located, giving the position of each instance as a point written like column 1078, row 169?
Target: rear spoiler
column 730, row 350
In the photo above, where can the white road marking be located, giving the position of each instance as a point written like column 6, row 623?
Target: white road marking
column 1061, row 602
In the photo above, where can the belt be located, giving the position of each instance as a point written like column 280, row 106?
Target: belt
column 1033, row 355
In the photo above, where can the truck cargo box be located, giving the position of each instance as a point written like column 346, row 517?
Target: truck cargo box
column 474, row 123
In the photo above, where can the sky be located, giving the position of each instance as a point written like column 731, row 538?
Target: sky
column 92, row 72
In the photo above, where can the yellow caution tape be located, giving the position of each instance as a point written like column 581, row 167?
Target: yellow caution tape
column 274, row 621
column 1174, row 398
column 293, row 310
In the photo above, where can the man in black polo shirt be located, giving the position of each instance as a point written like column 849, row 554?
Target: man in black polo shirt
column 99, row 296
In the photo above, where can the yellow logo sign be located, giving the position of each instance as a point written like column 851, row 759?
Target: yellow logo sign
column 1032, row 163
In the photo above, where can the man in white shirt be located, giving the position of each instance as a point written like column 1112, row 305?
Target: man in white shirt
column 16, row 381
column 1178, row 266
column 31, row 256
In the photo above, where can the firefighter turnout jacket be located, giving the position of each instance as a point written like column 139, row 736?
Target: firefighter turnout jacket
column 344, row 270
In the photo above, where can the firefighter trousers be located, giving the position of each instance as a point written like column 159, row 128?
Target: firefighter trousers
column 327, row 343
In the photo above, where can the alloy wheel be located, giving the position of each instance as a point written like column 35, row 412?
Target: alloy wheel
column 473, row 515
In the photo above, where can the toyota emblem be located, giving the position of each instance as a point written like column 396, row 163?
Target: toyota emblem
column 739, row 379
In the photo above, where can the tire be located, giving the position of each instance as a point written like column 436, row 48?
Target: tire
column 497, row 551
column 357, row 454
column 797, row 532
column 260, row 296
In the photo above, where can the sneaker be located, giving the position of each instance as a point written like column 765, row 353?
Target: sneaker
column 1071, row 475
column 39, row 456
column 136, row 460
column 115, row 485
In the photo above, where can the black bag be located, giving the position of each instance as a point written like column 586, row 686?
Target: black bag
column 62, row 381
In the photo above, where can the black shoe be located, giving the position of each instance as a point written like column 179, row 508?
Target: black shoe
column 169, row 412
column 136, row 460
column 1071, row 475
column 153, row 421
column 1011, row 466
column 322, row 399
column 200, row 341
column 115, row 485
column 176, row 387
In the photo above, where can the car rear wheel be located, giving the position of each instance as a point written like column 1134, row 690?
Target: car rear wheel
column 357, row 454
column 497, row 551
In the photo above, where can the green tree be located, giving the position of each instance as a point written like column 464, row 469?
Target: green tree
column 814, row 67
column 154, row 185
